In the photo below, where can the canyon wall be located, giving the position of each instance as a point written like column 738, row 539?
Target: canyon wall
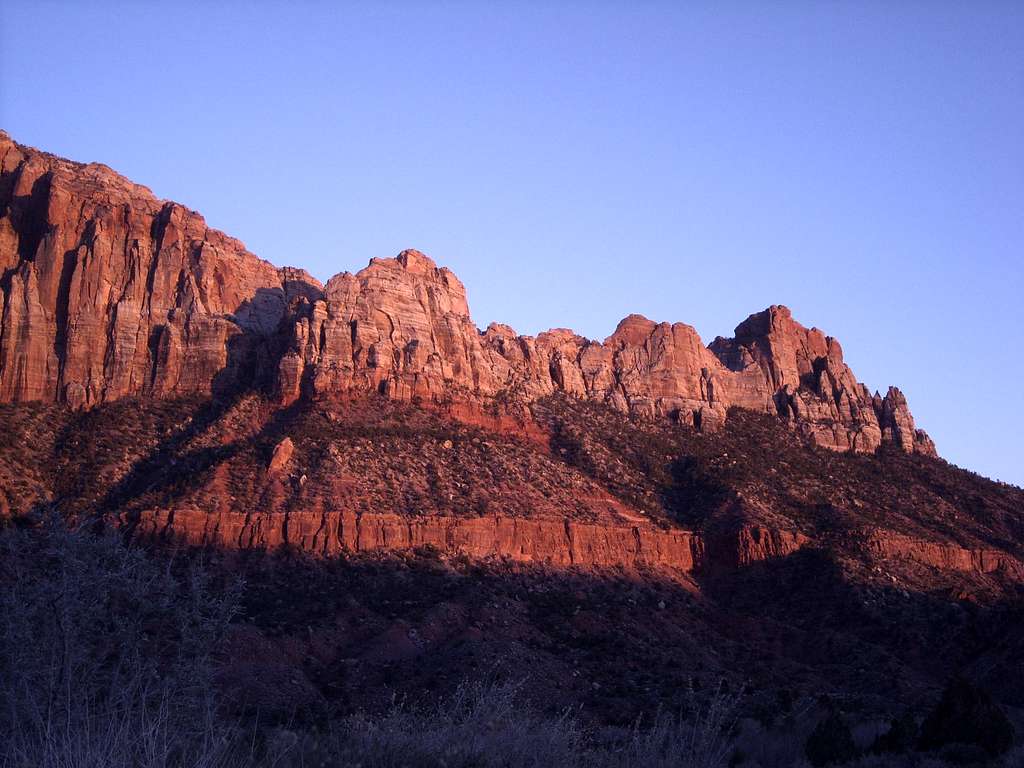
column 106, row 291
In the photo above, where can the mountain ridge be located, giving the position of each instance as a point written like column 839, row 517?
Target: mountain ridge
column 109, row 292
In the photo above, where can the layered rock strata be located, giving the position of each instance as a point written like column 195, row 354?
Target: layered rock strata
column 943, row 555
column 561, row 542
column 106, row 291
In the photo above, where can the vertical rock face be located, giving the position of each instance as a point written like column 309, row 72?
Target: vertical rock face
column 106, row 291
column 400, row 326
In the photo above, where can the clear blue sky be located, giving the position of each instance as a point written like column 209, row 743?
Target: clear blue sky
column 862, row 163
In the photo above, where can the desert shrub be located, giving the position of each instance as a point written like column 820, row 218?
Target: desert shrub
column 487, row 725
column 480, row 725
column 702, row 737
column 831, row 742
column 106, row 655
column 899, row 738
column 967, row 715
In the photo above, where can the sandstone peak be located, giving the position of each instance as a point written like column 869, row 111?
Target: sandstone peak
column 415, row 261
column 410, row 260
column 774, row 318
column 632, row 329
column 500, row 329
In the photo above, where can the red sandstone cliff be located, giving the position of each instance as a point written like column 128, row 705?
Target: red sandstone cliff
column 106, row 291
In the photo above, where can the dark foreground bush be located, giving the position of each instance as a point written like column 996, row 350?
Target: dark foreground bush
column 831, row 742
column 899, row 739
column 484, row 726
column 106, row 658
column 966, row 715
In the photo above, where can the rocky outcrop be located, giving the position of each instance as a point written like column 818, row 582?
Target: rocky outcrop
column 106, row 291
column 802, row 373
column 748, row 544
column 943, row 555
column 402, row 327
column 282, row 455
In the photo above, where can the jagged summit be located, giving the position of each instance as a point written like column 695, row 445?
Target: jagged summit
column 108, row 292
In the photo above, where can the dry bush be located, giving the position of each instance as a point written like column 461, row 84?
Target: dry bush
column 106, row 655
column 702, row 738
column 486, row 726
column 480, row 725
